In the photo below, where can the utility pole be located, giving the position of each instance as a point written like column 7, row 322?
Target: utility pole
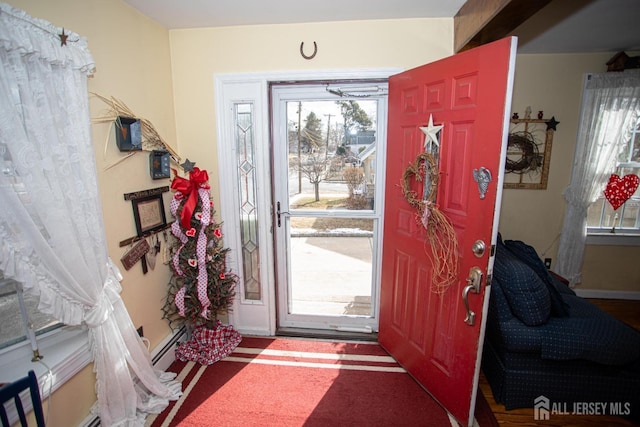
column 326, row 152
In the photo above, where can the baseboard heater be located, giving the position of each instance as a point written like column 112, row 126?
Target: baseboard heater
column 164, row 354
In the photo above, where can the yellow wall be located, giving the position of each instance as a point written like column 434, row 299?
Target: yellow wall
column 199, row 54
column 133, row 64
column 553, row 83
column 611, row 268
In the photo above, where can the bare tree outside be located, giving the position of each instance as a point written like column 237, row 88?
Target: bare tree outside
column 314, row 167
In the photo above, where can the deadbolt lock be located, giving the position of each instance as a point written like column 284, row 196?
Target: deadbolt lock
column 478, row 248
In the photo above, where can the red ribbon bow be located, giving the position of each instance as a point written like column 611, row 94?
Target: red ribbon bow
column 189, row 188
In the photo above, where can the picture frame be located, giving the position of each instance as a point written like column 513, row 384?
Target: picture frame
column 148, row 213
column 528, row 154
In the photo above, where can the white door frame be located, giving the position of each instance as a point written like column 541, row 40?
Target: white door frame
column 253, row 317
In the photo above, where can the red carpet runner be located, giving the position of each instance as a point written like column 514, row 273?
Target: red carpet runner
column 297, row 382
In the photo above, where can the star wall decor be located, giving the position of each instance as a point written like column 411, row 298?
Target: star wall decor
column 551, row 124
column 63, row 38
column 431, row 135
column 188, row 165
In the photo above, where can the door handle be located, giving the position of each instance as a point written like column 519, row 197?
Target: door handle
column 279, row 214
column 474, row 281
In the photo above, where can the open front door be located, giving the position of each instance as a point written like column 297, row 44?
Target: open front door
column 430, row 334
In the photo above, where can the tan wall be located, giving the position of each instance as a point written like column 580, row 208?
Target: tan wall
column 611, row 268
column 199, row 54
column 553, row 83
column 132, row 59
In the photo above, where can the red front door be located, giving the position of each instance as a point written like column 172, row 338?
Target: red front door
column 470, row 95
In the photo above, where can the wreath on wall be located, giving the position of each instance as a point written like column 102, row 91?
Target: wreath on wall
column 530, row 159
column 441, row 235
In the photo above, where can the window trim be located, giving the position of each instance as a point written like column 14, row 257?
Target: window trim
column 600, row 237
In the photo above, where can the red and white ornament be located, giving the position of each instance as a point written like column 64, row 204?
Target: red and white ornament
column 619, row 190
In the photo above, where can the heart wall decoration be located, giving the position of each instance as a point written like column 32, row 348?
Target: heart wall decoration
column 619, row 190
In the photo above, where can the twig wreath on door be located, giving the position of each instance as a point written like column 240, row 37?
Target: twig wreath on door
column 441, row 236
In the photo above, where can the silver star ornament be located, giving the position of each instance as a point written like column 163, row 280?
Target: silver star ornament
column 188, row 165
column 431, row 135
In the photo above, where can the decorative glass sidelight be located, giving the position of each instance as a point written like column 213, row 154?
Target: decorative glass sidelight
column 246, row 172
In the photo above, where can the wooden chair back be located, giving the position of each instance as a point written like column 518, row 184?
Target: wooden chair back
column 11, row 392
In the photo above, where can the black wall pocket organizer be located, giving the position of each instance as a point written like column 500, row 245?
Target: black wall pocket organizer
column 159, row 164
column 128, row 134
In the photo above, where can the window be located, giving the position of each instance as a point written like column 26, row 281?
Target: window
column 602, row 218
column 606, row 140
column 26, row 332
column 19, row 315
column 248, row 200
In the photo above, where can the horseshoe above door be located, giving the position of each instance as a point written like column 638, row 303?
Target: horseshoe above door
column 315, row 50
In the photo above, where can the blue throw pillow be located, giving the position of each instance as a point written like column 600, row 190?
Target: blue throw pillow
column 526, row 293
column 529, row 255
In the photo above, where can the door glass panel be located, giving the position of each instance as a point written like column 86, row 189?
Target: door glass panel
column 332, row 154
column 331, row 266
column 248, row 201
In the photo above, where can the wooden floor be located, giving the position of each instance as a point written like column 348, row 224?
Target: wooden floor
column 625, row 310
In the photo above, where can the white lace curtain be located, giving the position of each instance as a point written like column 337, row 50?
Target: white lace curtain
column 610, row 106
column 52, row 236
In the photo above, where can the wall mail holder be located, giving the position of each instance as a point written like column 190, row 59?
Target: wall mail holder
column 128, row 134
column 159, row 164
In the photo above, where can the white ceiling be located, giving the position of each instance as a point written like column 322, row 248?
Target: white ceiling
column 564, row 26
column 581, row 26
column 220, row 13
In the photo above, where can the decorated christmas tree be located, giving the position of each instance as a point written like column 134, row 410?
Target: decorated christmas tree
column 201, row 287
